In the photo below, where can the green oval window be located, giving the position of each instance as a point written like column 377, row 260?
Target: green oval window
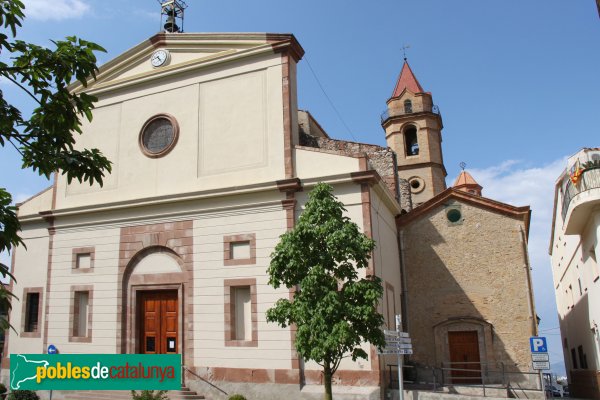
column 453, row 215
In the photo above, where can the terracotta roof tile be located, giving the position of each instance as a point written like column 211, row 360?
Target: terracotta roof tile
column 464, row 179
column 407, row 80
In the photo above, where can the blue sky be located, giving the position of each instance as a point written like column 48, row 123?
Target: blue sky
column 517, row 81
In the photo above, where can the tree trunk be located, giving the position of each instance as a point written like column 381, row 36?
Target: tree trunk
column 327, row 375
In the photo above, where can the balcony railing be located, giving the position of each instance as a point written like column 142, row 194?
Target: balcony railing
column 415, row 108
column 589, row 179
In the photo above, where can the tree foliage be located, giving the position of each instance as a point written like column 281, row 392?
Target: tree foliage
column 46, row 139
column 333, row 308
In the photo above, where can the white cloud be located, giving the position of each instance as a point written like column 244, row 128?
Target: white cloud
column 55, row 10
column 518, row 184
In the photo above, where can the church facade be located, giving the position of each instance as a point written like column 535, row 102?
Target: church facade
column 212, row 162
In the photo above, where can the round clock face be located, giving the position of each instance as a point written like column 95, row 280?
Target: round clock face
column 159, row 58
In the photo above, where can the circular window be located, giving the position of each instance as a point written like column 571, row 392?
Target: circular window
column 417, row 184
column 159, row 135
column 453, row 215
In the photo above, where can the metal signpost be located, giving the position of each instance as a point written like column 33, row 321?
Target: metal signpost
column 52, row 350
column 539, row 356
column 398, row 343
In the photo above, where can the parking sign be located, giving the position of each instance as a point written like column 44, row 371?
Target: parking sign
column 538, row 344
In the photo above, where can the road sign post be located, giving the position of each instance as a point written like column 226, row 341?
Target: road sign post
column 398, row 343
column 539, row 357
column 400, row 360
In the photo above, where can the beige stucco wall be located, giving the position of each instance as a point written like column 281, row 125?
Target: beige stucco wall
column 103, row 278
column 274, row 346
column 315, row 164
column 386, row 256
column 30, row 271
column 231, row 134
column 40, row 202
column 474, row 270
column 386, row 259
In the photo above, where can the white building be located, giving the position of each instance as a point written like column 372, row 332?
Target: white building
column 574, row 250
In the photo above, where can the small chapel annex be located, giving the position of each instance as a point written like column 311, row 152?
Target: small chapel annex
column 212, row 162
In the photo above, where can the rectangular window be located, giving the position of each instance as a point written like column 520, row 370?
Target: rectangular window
column 240, row 312
column 574, row 359
column 83, row 259
column 582, row 357
column 391, row 306
column 81, row 313
column 239, row 249
column 243, row 324
column 572, row 296
column 595, row 267
column 80, row 325
column 32, row 312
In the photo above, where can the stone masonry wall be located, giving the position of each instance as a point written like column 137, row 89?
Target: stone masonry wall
column 382, row 159
column 467, row 272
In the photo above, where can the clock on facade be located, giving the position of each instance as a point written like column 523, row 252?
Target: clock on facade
column 160, row 57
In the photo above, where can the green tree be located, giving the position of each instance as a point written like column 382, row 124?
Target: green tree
column 334, row 310
column 45, row 140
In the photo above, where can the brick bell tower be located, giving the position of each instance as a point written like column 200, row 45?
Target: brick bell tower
column 413, row 129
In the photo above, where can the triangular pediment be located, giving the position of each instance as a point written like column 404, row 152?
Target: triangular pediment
column 186, row 51
column 459, row 196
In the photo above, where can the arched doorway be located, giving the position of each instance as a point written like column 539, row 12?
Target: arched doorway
column 154, row 281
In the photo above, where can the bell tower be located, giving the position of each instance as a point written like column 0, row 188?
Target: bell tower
column 413, row 129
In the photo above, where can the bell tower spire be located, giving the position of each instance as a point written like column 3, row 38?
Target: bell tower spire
column 413, row 129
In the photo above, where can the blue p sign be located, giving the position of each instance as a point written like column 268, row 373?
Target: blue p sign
column 538, row 344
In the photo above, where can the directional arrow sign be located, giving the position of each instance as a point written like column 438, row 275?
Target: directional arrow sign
column 395, row 334
column 396, row 351
column 398, row 340
column 398, row 346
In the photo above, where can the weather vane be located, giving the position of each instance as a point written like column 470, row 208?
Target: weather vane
column 406, row 46
column 463, row 165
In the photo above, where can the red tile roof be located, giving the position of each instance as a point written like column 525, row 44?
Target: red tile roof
column 464, row 178
column 407, row 80
column 466, row 183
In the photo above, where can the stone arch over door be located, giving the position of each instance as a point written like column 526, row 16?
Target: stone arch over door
column 156, row 257
column 484, row 334
column 154, row 268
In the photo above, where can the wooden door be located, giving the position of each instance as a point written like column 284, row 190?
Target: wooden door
column 159, row 322
column 464, row 356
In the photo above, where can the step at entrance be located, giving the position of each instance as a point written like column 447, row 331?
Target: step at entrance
column 183, row 394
